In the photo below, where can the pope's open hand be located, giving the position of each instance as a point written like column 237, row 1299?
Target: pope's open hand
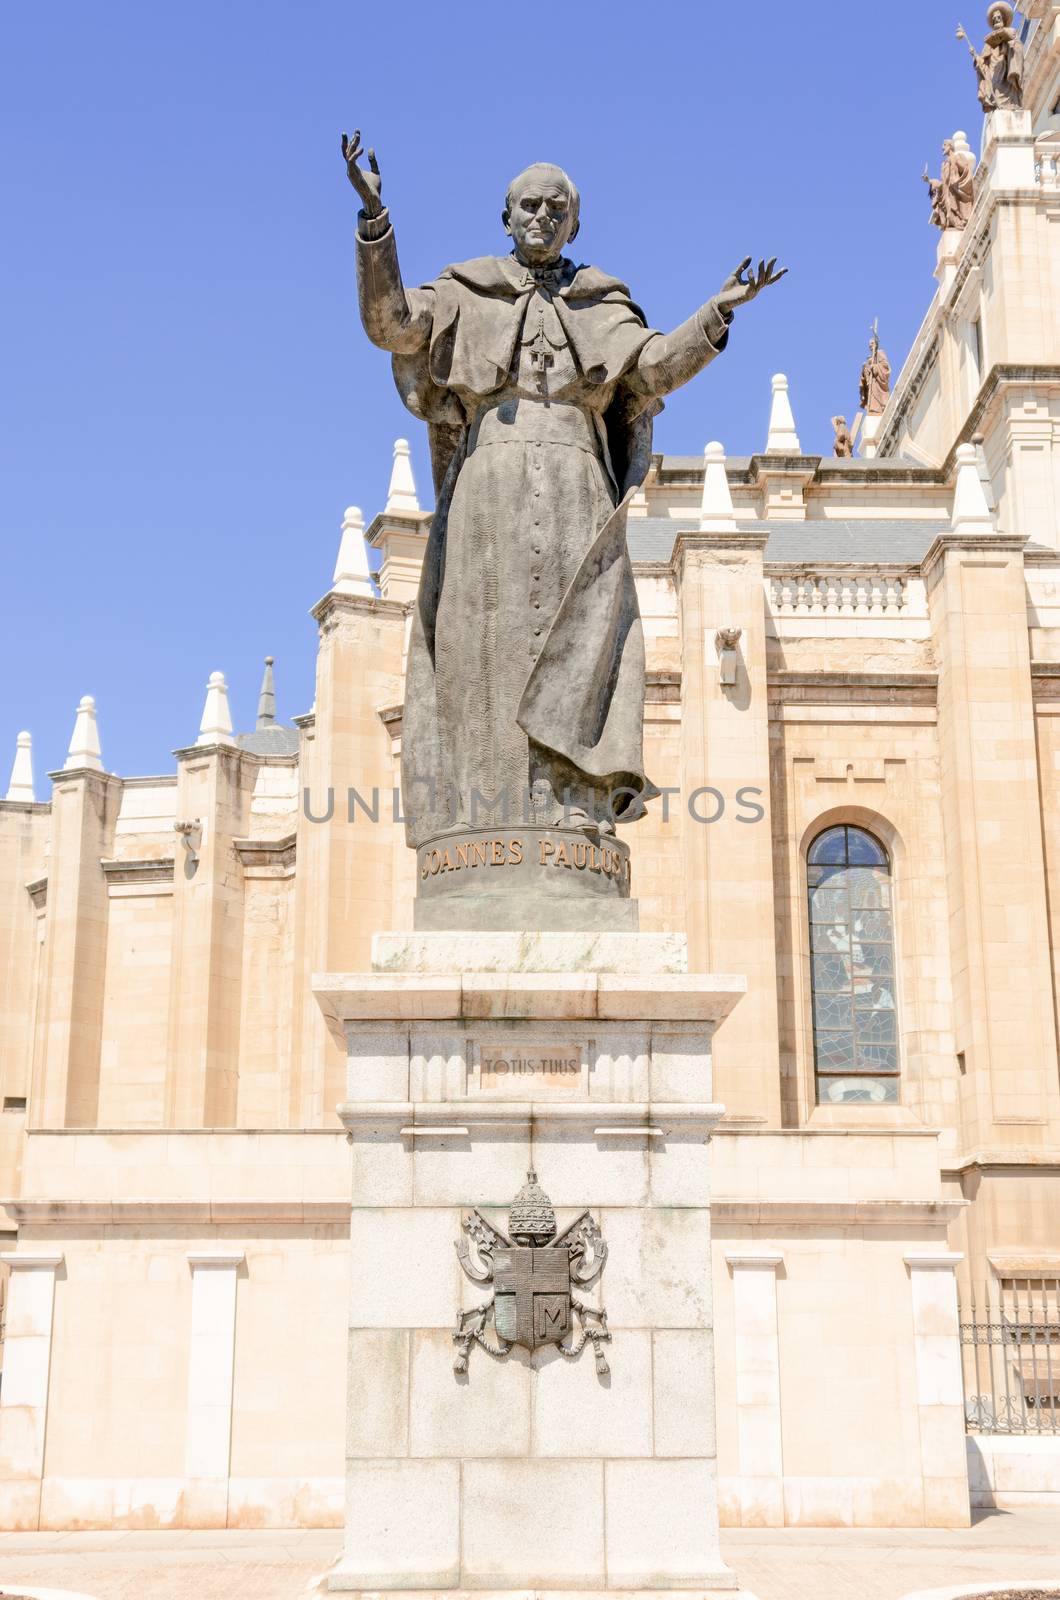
column 740, row 290
column 369, row 185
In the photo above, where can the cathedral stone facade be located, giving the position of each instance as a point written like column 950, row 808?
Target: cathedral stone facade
column 853, row 711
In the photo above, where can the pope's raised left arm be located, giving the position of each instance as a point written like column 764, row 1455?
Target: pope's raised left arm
column 671, row 359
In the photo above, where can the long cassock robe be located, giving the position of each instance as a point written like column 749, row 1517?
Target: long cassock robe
column 525, row 676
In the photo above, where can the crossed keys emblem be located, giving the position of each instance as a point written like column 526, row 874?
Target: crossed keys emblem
column 533, row 1274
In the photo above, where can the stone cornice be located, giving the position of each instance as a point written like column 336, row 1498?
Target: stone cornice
column 588, row 996
column 30, row 807
column 190, row 752
column 993, row 543
column 307, row 721
column 790, row 678
column 885, row 1213
column 334, row 605
column 158, row 869
column 1025, row 1263
column 414, row 522
column 727, row 1210
column 38, row 892
column 1002, row 376
column 48, row 1260
column 662, row 688
column 266, row 852
column 79, row 774
column 690, row 541
column 763, row 466
column 987, row 1160
column 139, row 1212
column 593, row 1119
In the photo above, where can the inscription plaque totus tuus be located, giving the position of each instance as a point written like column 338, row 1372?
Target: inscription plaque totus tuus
column 530, row 1070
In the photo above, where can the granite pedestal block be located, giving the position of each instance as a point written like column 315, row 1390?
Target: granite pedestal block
column 473, row 1058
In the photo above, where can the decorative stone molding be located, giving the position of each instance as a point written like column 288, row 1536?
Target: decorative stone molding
column 842, row 1213
column 267, row 858
column 1025, row 1264
column 468, row 1118
column 994, row 1160
column 938, row 1258
column 157, row 869
column 330, row 612
column 403, row 1120
column 137, row 1213
column 747, row 1259
column 479, row 996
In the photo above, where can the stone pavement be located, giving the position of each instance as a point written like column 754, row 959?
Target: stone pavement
column 775, row 1564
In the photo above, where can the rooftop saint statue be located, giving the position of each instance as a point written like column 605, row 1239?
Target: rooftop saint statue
column 999, row 68
column 538, row 379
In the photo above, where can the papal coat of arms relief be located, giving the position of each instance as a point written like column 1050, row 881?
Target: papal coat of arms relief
column 533, row 1275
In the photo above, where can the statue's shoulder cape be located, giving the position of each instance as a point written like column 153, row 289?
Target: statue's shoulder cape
column 479, row 306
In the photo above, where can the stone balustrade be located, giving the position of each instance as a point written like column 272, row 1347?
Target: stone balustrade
column 1047, row 167
column 839, row 594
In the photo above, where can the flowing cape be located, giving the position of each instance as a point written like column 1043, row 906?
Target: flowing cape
column 596, row 641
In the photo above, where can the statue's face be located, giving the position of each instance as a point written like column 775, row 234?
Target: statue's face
column 540, row 218
column 997, row 19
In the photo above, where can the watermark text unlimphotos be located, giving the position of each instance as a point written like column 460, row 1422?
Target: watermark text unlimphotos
column 705, row 804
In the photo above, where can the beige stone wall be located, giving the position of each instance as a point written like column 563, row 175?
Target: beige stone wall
column 126, row 1370
column 142, row 990
column 119, row 1373
column 266, row 1000
column 132, row 1084
column 23, row 842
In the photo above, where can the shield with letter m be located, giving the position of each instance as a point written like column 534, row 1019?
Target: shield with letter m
column 532, row 1287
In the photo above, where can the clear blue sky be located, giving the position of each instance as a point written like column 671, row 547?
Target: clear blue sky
column 188, row 401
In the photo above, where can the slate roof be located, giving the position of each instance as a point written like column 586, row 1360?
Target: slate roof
column 867, row 541
column 273, row 741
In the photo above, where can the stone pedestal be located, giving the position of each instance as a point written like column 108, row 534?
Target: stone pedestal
column 1008, row 150
column 471, row 1058
column 870, row 430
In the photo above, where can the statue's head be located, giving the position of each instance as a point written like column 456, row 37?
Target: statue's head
column 1000, row 16
column 947, row 147
column 541, row 213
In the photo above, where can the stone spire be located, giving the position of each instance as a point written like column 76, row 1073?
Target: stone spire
column 84, row 748
column 267, row 697
column 716, row 511
column 352, row 575
column 782, row 440
column 401, row 496
column 971, row 513
column 21, row 785
column 216, row 724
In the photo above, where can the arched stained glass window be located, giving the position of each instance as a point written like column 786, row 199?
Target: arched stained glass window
column 852, row 979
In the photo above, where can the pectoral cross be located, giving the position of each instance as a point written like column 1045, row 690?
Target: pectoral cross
column 541, row 357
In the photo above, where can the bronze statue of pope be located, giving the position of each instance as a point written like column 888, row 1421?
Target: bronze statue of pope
column 538, row 380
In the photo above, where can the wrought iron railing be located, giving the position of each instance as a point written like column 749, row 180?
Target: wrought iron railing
column 1010, row 1349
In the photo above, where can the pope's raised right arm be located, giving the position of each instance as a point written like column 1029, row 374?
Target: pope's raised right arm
column 394, row 318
